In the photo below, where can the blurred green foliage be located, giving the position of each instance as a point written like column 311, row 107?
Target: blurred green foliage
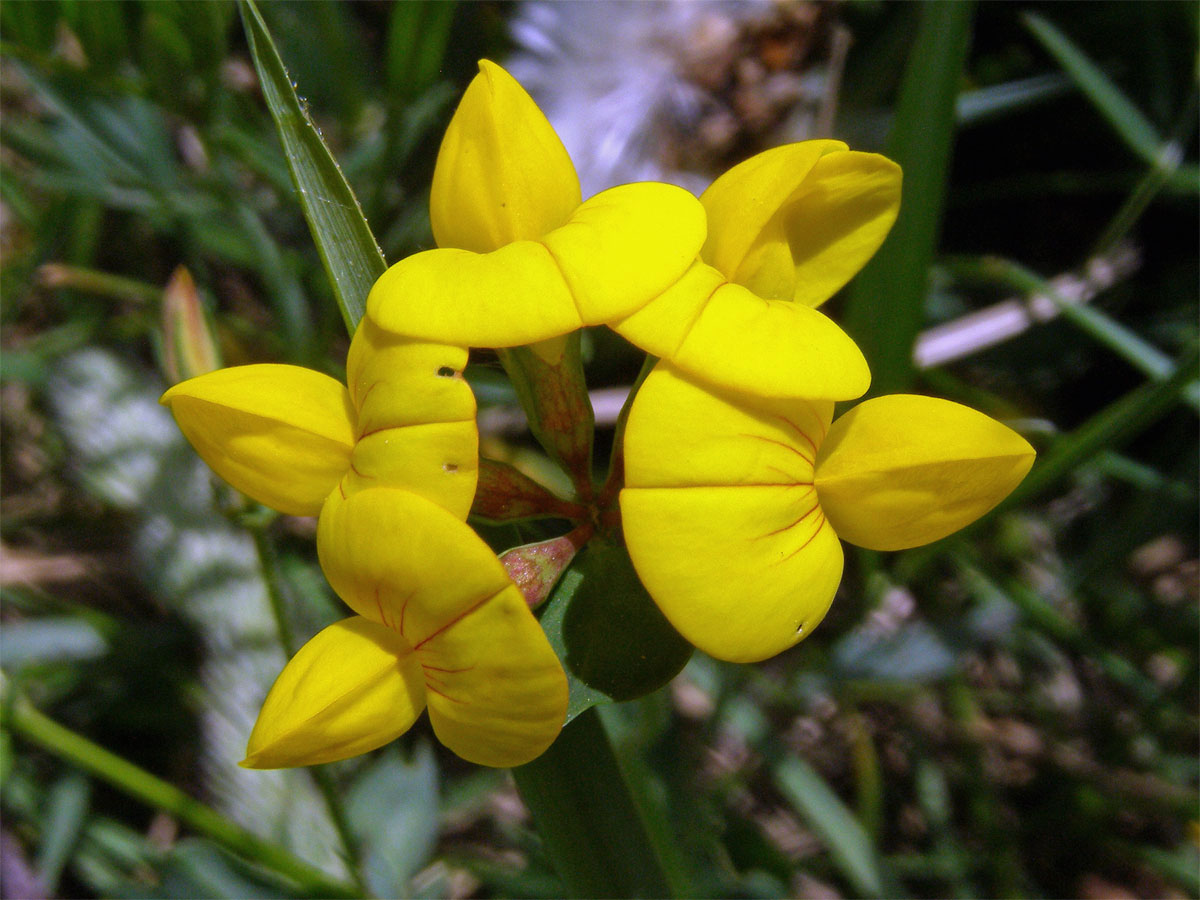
column 1009, row 712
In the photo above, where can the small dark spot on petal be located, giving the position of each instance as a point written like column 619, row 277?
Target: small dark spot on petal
column 446, row 372
column 449, row 467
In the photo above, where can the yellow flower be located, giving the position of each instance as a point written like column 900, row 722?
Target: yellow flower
column 438, row 624
column 736, row 537
column 288, row 436
column 391, row 464
column 786, row 229
column 522, row 259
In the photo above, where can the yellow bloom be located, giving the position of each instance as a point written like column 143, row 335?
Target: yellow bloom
column 737, row 538
column 391, row 464
column 438, row 624
column 522, row 259
column 786, row 229
column 288, row 436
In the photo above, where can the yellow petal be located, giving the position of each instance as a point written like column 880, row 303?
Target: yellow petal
column 416, row 418
column 741, row 572
column 825, row 231
column 729, row 441
column 403, row 561
column 742, row 202
column 497, row 693
column 502, row 174
column 617, row 251
column 725, row 335
column 727, row 537
column 280, row 434
column 900, row 471
column 396, row 381
column 439, row 461
column 354, row 687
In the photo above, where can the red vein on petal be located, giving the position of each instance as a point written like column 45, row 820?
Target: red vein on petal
column 782, row 444
column 462, row 615
column 800, row 431
column 812, row 509
column 430, row 687
column 811, row 537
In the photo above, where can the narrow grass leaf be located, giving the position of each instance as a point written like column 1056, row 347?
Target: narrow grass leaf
column 997, row 100
column 417, row 37
column 1125, row 118
column 1093, row 322
column 886, row 306
column 836, row 826
column 344, row 241
column 1113, row 426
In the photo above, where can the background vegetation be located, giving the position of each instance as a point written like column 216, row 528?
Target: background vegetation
column 1012, row 711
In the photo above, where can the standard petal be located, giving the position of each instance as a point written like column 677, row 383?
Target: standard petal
column 626, row 245
column 280, row 434
column 741, row 572
column 497, row 693
column 502, row 174
column 405, row 562
column 439, row 461
column 617, row 251
column 354, row 687
column 726, row 336
column 742, row 202
column 902, row 470
column 396, row 381
column 825, row 231
column 729, row 440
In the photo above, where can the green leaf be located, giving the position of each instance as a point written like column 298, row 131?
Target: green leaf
column 991, row 102
column 1125, row 118
column 887, row 303
column 586, row 817
column 1113, row 426
column 613, row 642
column 351, row 256
column 838, row 829
column 62, row 823
column 417, row 36
column 393, row 811
column 1091, row 320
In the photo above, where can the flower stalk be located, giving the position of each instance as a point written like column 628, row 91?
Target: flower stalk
column 23, row 719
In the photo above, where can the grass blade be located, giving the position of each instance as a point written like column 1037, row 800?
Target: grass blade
column 837, row 827
column 887, row 303
column 1112, row 426
column 1125, row 118
column 351, row 256
column 1093, row 322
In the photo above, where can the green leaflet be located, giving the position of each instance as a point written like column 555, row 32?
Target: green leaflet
column 613, row 642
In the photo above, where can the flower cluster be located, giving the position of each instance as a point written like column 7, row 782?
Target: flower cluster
column 390, row 465
column 737, row 481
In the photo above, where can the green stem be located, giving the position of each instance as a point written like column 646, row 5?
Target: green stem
column 1109, row 429
column 921, row 141
column 616, row 460
column 321, row 775
column 1097, row 325
column 586, row 817
column 1163, row 168
column 26, row 721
